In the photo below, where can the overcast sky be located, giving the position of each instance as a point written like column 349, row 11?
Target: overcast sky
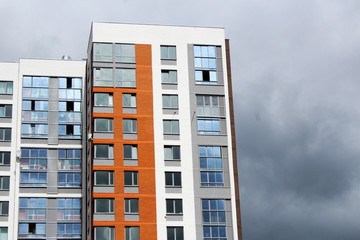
column 296, row 76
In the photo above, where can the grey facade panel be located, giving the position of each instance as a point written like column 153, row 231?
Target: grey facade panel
column 171, row 111
column 170, row 218
column 5, row 144
column 128, row 162
column 169, row 86
column 69, row 190
column 103, row 109
column 131, row 189
column 32, row 190
column 130, row 136
column 4, row 218
column 173, row 190
column 172, row 163
column 103, row 135
column 5, row 120
column 168, row 62
column 171, row 137
column 103, row 217
column 103, row 189
column 52, row 166
column 4, row 193
column 131, row 217
column 129, row 110
column 6, row 97
column 34, row 141
column 103, row 162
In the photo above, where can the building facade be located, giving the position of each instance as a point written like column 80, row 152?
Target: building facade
column 136, row 142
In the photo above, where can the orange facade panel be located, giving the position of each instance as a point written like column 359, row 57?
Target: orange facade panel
column 145, row 144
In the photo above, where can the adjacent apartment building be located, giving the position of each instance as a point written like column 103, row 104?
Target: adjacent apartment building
column 136, row 142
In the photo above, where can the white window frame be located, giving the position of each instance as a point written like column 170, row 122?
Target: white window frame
column 170, row 148
column 167, row 51
column 129, row 202
column 110, row 99
column 132, row 97
column 133, row 125
column 111, row 231
column 110, row 202
column 170, row 101
column 110, row 151
column 110, row 178
column 134, row 175
column 174, row 125
column 110, row 125
column 173, row 175
column 169, row 77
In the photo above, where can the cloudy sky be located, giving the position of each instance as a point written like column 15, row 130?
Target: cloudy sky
column 296, row 77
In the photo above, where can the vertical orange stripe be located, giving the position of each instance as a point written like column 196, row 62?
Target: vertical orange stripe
column 146, row 157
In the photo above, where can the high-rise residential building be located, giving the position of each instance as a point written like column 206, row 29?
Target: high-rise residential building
column 136, row 142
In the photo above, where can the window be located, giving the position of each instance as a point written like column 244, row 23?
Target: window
column 169, row 76
column 70, row 106
column 32, row 209
column 129, row 100
column 168, row 52
column 4, row 208
column 6, row 110
column 69, row 167
column 171, row 126
column 125, row 78
column 103, row 77
column 214, row 219
column 4, row 183
column 104, row 233
column 103, row 52
column 69, row 209
column 33, row 167
column 173, row 179
column 175, row 233
column 174, row 206
column 35, row 87
column 5, row 158
column 70, row 131
column 104, row 151
column 104, row 205
column 34, row 130
column 32, row 230
column 132, row 233
column 211, row 169
column 69, row 179
column 104, row 178
column 205, row 64
column 129, row 126
column 69, row 230
column 69, row 159
column 5, row 134
column 6, row 87
column 208, row 126
column 3, row 233
column 172, row 152
column 209, row 106
column 125, row 53
column 131, row 206
column 130, row 179
column 130, row 151
column 104, row 124
column 32, row 217
column 103, row 99
column 170, row 101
